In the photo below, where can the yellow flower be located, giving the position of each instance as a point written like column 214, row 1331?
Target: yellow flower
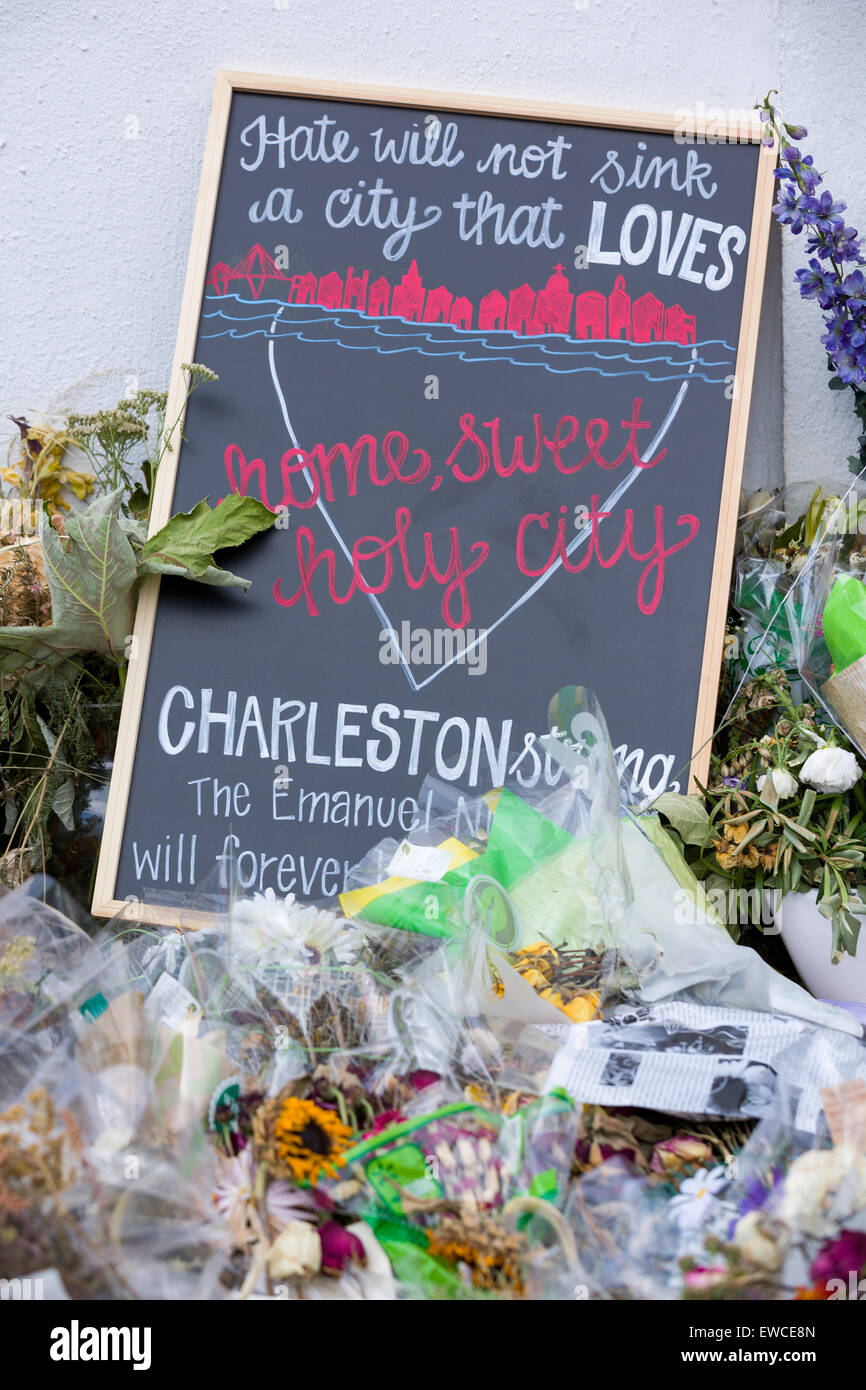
column 534, row 978
column 749, row 858
column 539, row 948
column 583, row 1007
column 736, row 833
column 310, row 1140
column 553, row 997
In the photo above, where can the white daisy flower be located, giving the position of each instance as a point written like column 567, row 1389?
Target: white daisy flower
column 694, row 1203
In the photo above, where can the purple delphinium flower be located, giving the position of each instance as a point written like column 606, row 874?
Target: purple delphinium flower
column 824, row 214
column 818, row 283
column 835, row 247
column 839, row 244
column 792, row 207
column 854, row 286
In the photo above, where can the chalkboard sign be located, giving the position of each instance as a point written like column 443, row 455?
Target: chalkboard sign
column 490, row 365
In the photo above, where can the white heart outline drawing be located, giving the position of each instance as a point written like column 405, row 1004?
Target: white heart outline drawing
column 582, row 535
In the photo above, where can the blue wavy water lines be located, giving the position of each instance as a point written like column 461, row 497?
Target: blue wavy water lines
column 240, row 318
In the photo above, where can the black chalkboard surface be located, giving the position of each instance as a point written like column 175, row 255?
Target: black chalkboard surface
column 491, row 366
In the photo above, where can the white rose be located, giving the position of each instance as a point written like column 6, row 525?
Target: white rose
column 809, row 1200
column 784, row 781
column 754, row 1243
column 296, row 1253
column 830, row 769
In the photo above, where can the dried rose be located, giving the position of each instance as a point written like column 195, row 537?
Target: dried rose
column 671, row 1155
column 339, row 1248
column 296, row 1253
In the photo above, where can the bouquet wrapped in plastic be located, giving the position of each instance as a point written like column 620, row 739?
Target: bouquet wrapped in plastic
column 826, row 615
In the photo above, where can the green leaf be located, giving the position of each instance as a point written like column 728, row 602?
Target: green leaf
column 802, row 831
column 186, row 544
column 806, row 808
column 90, row 578
column 63, row 802
column 687, row 814
column 792, row 840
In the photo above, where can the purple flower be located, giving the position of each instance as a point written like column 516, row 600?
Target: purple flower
column 818, row 283
column 826, row 214
column 854, row 286
column 802, row 171
column 840, row 244
column 839, row 1258
column 793, row 208
column 757, row 1192
column 845, row 341
column 832, row 244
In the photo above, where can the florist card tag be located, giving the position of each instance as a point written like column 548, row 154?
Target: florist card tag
column 845, row 1108
column 424, row 862
column 169, row 1003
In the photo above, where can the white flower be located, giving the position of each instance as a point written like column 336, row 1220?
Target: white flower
column 327, row 934
column 268, row 930
column 233, row 1189
column 784, row 781
column 296, row 1253
column 285, row 1203
column 822, row 1189
column 830, row 769
column 264, row 930
column 696, row 1198
column 754, row 1243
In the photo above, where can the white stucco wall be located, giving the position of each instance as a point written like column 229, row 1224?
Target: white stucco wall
column 104, row 113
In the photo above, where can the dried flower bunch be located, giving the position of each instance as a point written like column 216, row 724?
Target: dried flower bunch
column 25, row 599
column 571, row 980
column 74, row 510
column 38, row 467
column 41, row 1156
column 492, row 1256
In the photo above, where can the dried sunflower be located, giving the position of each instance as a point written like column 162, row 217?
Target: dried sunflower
column 491, row 1255
column 299, row 1139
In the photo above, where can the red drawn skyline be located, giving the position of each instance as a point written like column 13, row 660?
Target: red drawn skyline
column 555, row 308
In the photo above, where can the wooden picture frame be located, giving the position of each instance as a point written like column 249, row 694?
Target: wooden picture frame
column 105, row 902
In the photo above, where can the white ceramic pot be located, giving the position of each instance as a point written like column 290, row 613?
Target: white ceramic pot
column 808, row 937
